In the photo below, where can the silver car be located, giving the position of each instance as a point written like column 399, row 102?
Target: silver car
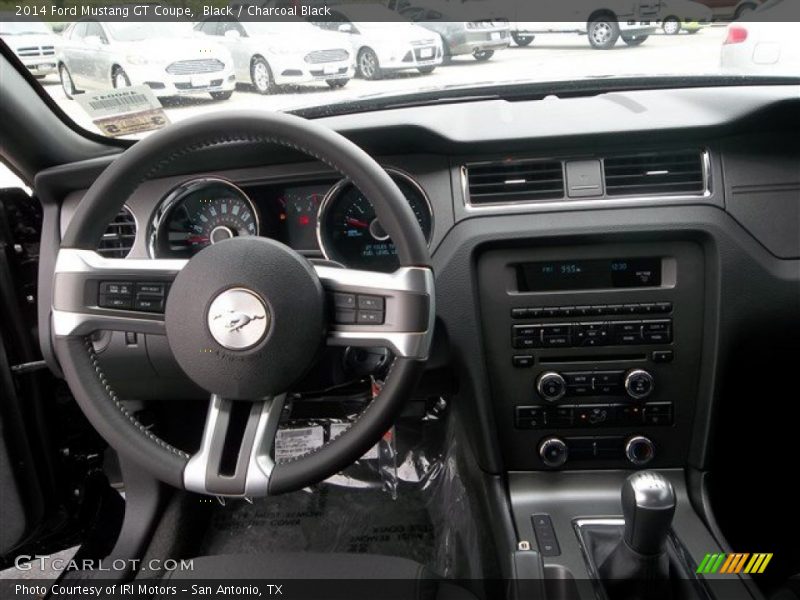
column 167, row 57
column 34, row 43
column 268, row 54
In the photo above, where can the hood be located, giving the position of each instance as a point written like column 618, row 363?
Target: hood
column 391, row 33
column 35, row 39
column 187, row 48
column 290, row 43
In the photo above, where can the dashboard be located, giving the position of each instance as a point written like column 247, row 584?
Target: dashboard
column 318, row 218
column 598, row 260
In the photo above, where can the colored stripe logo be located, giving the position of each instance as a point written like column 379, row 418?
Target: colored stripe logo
column 733, row 563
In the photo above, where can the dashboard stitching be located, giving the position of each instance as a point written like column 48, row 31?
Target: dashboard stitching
column 111, row 394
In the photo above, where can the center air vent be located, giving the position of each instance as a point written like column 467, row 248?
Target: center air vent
column 119, row 236
column 659, row 173
column 519, row 181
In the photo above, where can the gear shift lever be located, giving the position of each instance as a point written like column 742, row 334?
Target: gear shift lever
column 648, row 505
column 638, row 567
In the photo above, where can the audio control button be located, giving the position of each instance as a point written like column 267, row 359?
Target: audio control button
column 553, row 452
column 551, row 386
column 639, row 450
column 639, row 384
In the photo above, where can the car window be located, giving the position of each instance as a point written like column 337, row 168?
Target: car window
column 226, row 26
column 209, row 27
column 93, row 29
column 79, row 31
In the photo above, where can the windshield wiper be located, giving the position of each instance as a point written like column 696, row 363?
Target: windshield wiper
column 516, row 91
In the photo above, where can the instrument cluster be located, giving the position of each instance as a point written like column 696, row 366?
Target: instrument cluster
column 323, row 219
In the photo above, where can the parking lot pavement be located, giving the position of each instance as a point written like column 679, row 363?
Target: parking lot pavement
column 550, row 57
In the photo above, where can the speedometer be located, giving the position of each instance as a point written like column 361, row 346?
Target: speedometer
column 198, row 213
column 350, row 233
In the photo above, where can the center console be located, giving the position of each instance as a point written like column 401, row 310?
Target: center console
column 593, row 352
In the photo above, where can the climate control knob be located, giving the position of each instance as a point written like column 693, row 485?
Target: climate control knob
column 553, row 452
column 640, row 450
column 551, row 386
column 639, row 384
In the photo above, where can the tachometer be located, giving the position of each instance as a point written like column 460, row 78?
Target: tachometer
column 198, row 213
column 350, row 233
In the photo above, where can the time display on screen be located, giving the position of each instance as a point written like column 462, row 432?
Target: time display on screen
column 588, row 274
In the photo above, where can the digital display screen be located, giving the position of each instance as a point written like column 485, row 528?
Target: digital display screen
column 588, row 274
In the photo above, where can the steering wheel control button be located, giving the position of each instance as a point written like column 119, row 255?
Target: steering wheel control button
column 639, row 384
column 370, row 302
column 149, row 303
column 116, row 288
column 551, row 386
column 238, row 319
column 115, row 294
column 151, row 289
column 341, row 300
column 553, row 452
column 245, row 318
column 639, row 450
column 369, row 317
column 358, row 309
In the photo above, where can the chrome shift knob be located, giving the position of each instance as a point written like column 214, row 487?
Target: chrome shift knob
column 648, row 505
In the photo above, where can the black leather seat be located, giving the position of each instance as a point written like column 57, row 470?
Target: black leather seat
column 400, row 578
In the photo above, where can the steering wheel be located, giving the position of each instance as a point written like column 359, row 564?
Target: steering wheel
column 245, row 318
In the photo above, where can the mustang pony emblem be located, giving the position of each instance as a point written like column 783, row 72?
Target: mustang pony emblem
column 236, row 320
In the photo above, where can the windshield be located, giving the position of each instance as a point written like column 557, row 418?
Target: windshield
column 347, row 57
column 23, row 28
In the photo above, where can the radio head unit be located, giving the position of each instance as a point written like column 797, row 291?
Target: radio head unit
column 588, row 274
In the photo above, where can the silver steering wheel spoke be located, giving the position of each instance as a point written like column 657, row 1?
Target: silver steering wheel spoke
column 235, row 456
column 374, row 309
column 83, row 299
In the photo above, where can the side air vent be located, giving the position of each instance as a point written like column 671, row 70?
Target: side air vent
column 519, row 181
column 662, row 173
column 119, row 236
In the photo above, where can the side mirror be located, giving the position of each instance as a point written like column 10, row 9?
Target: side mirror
column 346, row 28
column 93, row 40
column 233, row 34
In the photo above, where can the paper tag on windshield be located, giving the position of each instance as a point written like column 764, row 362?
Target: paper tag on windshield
column 124, row 111
column 337, row 428
column 291, row 443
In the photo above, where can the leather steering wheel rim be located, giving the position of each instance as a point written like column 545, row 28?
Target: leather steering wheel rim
column 145, row 160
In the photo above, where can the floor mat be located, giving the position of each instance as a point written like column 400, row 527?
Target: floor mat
column 326, row 519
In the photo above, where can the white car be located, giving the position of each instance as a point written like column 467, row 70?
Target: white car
column 766, row 42
column 167, row 57
column 267, row 53
column 34, row 43
column 381, row 43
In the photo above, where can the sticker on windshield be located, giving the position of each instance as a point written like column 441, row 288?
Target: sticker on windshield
column 124, row 111
column 291, row 443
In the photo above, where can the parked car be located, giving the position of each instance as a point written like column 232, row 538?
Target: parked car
column 98, row 56
column 380, row 44
column 33, row 42
column 603, row 25
column 686, row 15
column 726, row 10
column 268, row 54
column 479, row 36
column 765, row 43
